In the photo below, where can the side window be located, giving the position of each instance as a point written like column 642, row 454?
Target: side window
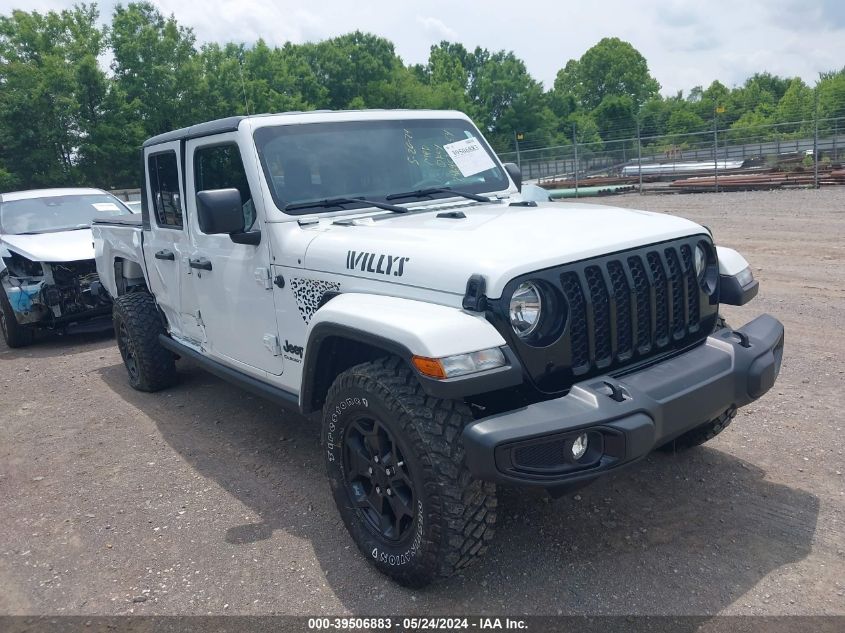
column 164, row 184
column 221, row 167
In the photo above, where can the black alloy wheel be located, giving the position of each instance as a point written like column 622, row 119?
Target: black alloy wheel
column 377, row 478
column 127, row 352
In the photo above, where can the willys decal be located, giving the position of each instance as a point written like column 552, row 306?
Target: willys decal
column 376, row 263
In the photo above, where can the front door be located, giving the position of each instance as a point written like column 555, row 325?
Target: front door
column 234, row 291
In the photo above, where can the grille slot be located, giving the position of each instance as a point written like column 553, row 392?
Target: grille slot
column 692, row 288
column 622, row 297
column 578, row 310
column 678, row 282
column 601, row 314
column 642, row 287
column 661, row 298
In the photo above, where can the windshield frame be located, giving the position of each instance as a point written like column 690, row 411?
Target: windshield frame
column 282, row 129
column 102, row 198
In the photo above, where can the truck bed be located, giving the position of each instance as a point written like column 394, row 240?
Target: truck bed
column 118, row 240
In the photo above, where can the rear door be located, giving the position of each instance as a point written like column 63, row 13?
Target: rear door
column 232, row 281
column 166, row 244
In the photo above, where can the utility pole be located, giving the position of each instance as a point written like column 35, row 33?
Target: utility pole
column 516, row 142
column 639, row 154
column 715, row 149
column 816, row 139
column 575, row 145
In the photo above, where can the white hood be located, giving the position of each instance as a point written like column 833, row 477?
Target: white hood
column 62, row 246
column 496, row 241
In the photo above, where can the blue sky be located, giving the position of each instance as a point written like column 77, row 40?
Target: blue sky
column 685, row 43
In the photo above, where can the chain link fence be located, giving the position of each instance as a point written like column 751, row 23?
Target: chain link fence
column 807, row 152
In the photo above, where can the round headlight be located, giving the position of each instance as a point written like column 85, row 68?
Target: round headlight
column 700, row 261
column 525, row 308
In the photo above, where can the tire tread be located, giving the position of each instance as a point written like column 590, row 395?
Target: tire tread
column 433, row 428
column 156, row 365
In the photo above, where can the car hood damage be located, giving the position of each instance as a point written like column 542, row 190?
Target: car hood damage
column 50, row 279
column 441, row 249
column 61, row 246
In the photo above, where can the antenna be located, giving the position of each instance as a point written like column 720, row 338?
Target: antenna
column 243, row 85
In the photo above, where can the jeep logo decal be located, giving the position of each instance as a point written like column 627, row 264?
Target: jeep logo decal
column 293, row 349
column 376, row 263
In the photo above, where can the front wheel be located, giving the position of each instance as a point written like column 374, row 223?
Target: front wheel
column 396, row 467
column 701, row 434
column 15, row 334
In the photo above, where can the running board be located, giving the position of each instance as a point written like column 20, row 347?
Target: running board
column 280, row 396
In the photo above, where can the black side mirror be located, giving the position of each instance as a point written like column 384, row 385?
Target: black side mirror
column 515, row 173
column 220, row 211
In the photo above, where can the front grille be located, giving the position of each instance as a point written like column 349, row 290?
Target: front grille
column 670, row 292
column 620, row 310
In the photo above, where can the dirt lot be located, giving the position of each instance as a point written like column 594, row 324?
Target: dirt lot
column 203, row 499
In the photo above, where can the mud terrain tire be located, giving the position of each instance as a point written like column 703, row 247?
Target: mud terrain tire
column 396, row 467
column 701, row 434
column 137, row 325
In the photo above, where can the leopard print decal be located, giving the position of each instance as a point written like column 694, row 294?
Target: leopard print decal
column 308, row 294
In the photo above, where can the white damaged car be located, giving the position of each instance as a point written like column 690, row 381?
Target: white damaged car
column 47, row 271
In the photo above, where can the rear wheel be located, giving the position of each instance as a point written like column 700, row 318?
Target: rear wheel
column 137, row 326
column 396, row 467
column 15, row 334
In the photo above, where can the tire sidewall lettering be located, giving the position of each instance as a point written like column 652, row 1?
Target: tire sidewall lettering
column 410, row 553
column 335, row 424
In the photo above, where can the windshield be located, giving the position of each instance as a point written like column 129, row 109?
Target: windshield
column 374, row 159
column 57, row 213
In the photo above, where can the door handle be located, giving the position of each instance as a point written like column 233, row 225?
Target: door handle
column 201, row 263
column 165, row 254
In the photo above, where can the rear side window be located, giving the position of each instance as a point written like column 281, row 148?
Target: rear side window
column 221, row 167
column 164, row 187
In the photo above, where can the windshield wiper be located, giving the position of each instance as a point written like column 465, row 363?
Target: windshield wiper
column 59, row 229
column 426, row 193
column 339, row 202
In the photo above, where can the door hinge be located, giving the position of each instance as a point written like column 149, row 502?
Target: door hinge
column 262, row 276
column 271, row 342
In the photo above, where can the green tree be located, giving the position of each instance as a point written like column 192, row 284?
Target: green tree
column 831, row 95
column 615, row 117
column 796, row 103
column 705, row 102
column 506, row 97
column 153, row 65
column 610, row 68
column 761, row 92
column 52, row 89
column 683, row 122
column 351, row 67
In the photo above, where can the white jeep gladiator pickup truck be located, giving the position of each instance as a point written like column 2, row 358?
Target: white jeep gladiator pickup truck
column 380, row 271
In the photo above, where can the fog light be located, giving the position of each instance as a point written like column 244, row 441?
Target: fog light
column 579, row 446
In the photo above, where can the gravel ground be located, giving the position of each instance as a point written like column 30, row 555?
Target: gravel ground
column 203, row 499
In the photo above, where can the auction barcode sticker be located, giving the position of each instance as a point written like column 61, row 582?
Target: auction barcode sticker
column 469, row 156
column 105, row 206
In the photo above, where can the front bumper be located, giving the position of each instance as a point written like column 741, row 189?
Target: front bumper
column 626, row 418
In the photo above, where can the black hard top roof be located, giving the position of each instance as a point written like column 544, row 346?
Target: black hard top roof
column 229, row 124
